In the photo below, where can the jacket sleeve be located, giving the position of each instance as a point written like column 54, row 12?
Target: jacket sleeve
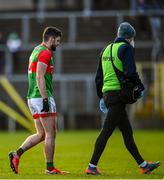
column 126, row 54
column 99, row 79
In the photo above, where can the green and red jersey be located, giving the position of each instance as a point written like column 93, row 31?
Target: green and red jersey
column 40, row 54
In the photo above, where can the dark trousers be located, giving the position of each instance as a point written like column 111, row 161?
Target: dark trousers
column 116, row 117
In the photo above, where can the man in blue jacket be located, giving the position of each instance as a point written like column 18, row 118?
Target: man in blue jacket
column 108, row 90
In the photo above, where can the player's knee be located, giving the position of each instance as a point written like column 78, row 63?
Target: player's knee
column 50, row 134
column 41, row 136
column 127, row 134
column 128, row 137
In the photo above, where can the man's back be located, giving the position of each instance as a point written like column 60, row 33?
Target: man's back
column 40, row 54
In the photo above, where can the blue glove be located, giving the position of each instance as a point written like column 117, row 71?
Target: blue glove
column 102, row 106
column 138, row 93
column 142, row 93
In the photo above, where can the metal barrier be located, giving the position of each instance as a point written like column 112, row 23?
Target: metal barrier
column 152, row 78
column 72, row 18
column 75, row 94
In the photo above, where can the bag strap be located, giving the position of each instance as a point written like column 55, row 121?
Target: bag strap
column 119, row 74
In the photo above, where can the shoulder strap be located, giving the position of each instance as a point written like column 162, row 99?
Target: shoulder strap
column 119, row 74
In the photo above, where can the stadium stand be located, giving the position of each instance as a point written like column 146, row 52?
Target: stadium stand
column 80, row 61
column 96, row 29
column 110, row 5
column 15, row 5
column 36, row 28
column 76, row 60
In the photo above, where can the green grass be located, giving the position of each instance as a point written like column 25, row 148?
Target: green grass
column 73, row 152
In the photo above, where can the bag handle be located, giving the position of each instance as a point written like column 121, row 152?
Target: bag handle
column 119, row 74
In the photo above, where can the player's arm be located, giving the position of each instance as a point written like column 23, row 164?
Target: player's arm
column 126, row 54
column 99, row 79
column 41, row 83
column 43, row 60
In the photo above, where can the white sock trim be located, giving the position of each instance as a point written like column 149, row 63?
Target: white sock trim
column 92, row 165
column 143, row 164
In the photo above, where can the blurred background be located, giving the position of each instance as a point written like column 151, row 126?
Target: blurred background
column 88, row 26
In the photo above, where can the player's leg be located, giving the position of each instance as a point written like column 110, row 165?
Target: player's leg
column 49, row 124
column 35, row 105
column 127, row 132
column 35, row 138
column 110, row 124
column 106, row 132
column 27, row 144
column 102, row 139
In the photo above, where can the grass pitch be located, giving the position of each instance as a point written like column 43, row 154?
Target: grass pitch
column 73, row 152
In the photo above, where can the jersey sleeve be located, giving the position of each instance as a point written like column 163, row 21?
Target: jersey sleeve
column 44, row 57
column 99, row 78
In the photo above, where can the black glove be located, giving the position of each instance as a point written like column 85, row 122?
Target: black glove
column 45, row 105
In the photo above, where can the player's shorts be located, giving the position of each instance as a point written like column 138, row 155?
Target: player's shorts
column 36, row 105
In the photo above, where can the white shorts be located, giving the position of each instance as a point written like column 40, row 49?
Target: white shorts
column 36, row 105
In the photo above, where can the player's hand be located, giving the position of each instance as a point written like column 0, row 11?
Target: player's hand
column 138, row 93
column 141, row 94
column 45, row 105
column 102, row 106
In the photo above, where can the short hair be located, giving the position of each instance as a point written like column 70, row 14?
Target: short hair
column 51, row 32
